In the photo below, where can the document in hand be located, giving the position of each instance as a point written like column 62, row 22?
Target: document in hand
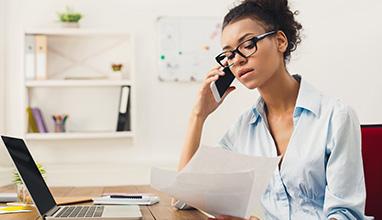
column 219, row 182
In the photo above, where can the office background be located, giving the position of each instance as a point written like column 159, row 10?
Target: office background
column 339, row 54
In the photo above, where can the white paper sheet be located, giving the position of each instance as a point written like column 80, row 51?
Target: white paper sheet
column 219, row 181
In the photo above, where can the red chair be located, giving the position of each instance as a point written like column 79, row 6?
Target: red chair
column 372, row 162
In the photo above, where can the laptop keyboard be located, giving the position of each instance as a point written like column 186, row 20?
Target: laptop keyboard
column 80, row 211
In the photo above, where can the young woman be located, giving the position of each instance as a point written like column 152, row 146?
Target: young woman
column 320, row 175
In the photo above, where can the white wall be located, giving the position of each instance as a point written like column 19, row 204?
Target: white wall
column 2, row 64
column 3, row 168
column 339, row 55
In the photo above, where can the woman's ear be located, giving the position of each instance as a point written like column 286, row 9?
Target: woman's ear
column 282, row 41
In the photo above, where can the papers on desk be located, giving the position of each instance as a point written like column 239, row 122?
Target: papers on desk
column 126, row 199
column 13, row 209
column 219, row 182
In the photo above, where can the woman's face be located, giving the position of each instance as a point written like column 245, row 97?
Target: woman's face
column 256, row 69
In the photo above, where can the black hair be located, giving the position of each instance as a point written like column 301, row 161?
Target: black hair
column 273, row 14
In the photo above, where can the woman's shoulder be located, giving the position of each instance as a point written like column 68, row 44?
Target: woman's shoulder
column 337, row 110
column 321, row 103
column 335, row 105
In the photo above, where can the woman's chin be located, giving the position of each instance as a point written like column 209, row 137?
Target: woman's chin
column 251, row 84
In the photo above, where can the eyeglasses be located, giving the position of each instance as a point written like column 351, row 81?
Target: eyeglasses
column 245, row 49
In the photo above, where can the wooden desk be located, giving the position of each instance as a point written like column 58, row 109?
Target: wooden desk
column 159, row 211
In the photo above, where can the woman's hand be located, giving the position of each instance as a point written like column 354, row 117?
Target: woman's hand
column 227, row 217
column 206, row 103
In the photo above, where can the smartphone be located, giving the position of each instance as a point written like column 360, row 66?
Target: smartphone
column 221, row 85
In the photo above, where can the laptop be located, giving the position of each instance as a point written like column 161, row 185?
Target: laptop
column 43, row 199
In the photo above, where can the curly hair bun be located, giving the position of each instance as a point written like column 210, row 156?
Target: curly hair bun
column 273, row 14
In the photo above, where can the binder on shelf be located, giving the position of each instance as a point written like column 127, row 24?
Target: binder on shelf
column 29, row 61
column 37, row 115
column 41, row 44
column 32, row 126
column 123, row 123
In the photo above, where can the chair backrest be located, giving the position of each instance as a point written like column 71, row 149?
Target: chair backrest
column 372, row 162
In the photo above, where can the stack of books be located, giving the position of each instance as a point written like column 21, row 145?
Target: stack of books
column 36, row 122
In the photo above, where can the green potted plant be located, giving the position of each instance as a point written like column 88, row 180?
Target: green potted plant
column 22, row 192
column 69, row 17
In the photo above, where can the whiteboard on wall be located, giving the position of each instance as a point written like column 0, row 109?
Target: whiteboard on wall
column 187, row 47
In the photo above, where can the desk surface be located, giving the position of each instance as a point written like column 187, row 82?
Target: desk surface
column 161, row 210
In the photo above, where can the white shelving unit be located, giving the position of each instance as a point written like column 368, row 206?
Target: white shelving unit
column 75, row 31
column 79, row 135
column 76, row 83
column 92, row 104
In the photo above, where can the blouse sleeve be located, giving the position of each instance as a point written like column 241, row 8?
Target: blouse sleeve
column 345, row 191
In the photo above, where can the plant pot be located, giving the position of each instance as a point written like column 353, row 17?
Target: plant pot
column 116, row 75
column 70, row 24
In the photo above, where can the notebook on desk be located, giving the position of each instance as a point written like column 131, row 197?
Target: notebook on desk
column 8, row 197
column 43, row 198
column 126, row 199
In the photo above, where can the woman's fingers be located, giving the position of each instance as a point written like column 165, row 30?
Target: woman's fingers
column 211, row 79
column 214, row 72
column 173, row 201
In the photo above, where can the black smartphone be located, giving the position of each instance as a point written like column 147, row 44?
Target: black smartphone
column 221, row 85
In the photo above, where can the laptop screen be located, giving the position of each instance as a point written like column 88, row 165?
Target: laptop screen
column 30, row 174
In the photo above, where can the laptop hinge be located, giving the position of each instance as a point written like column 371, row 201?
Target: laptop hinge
column 51, row 211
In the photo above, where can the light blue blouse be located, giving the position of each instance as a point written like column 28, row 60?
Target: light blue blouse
column 321, row 175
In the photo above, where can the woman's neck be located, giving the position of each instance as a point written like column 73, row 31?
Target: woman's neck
column 280, row 93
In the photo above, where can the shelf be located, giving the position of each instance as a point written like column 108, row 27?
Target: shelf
column 79, row 135
column 80, row 83
column 74, row 31
column 76, row 83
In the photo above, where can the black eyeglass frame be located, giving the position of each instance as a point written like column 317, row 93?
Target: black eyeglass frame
column 254, row 39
